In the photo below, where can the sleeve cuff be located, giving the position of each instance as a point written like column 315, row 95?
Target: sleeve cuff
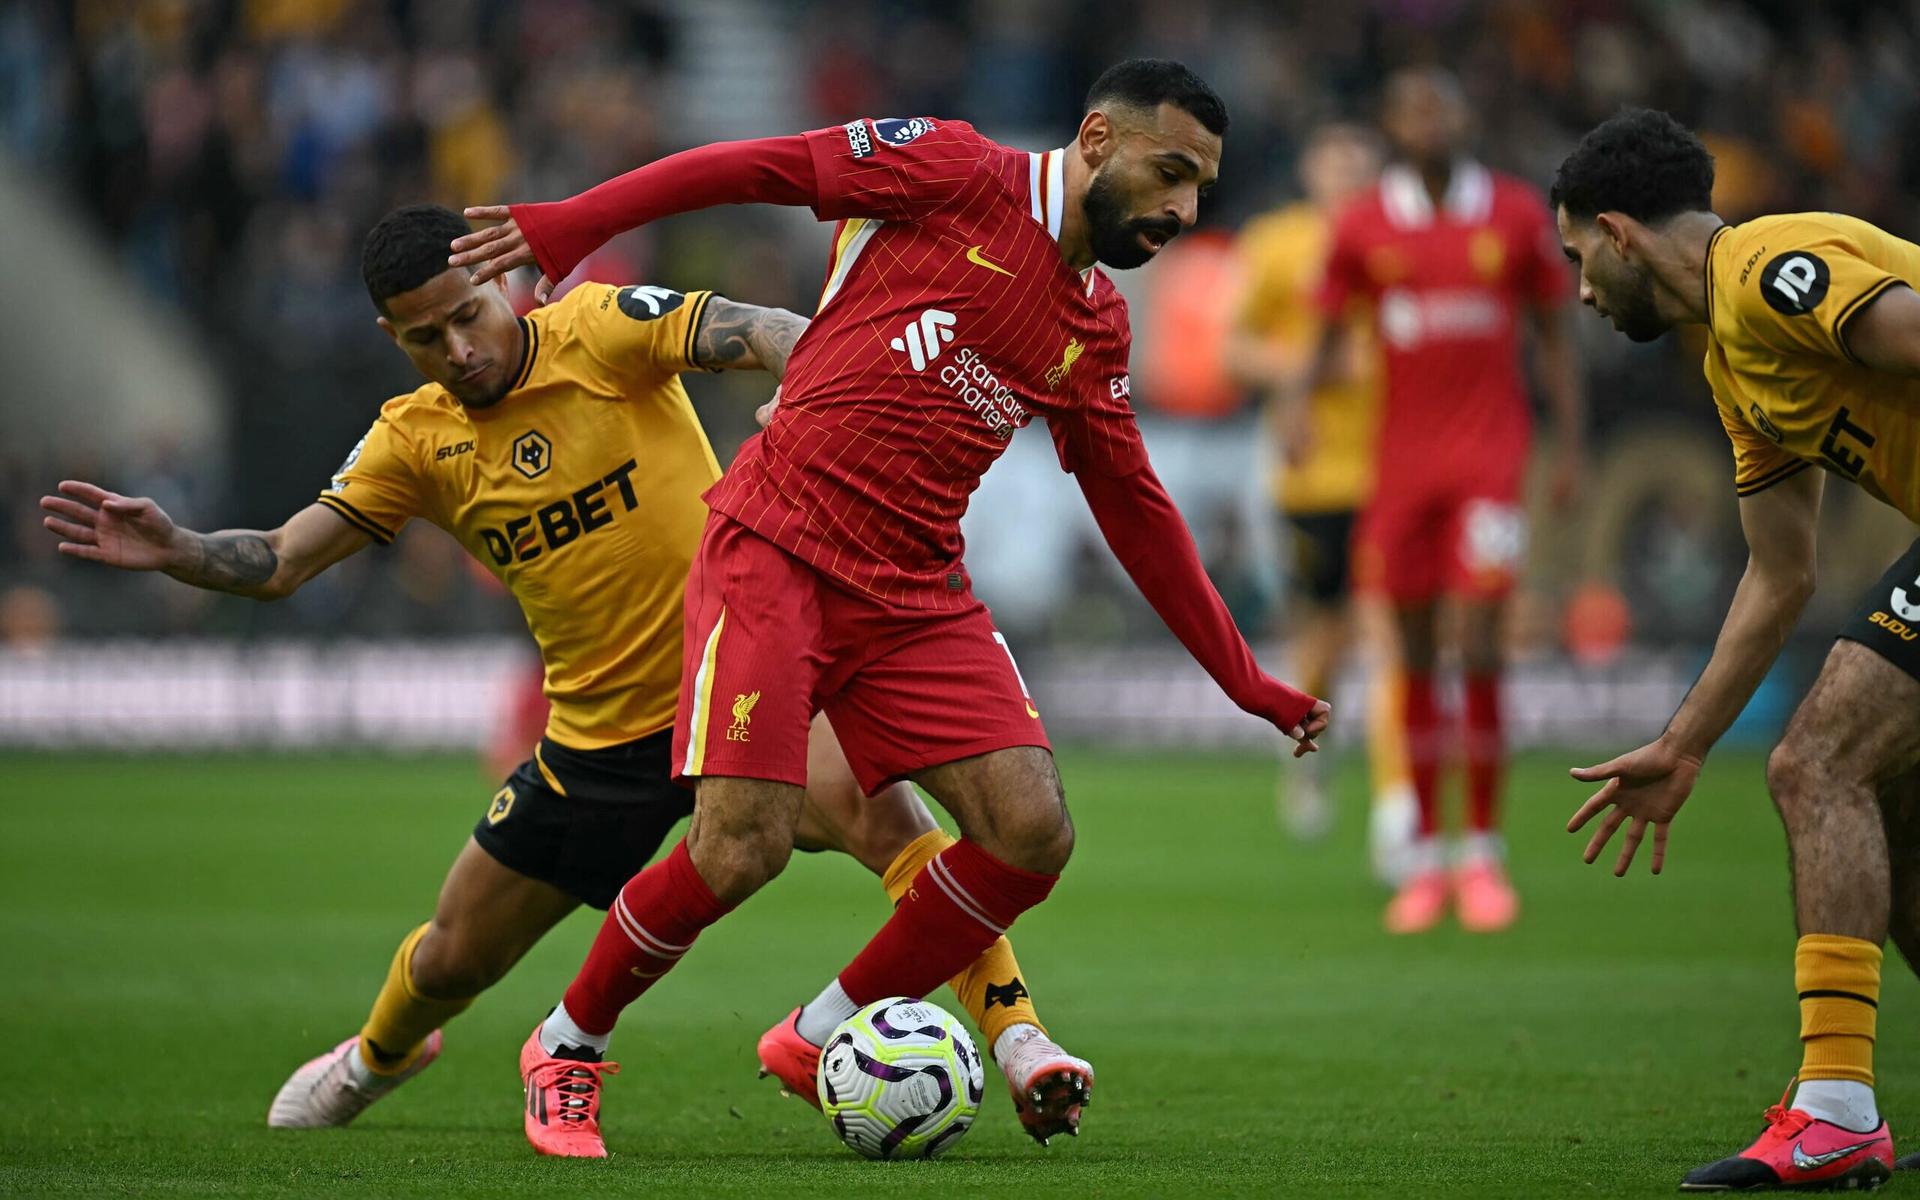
column 359, row 520
column 1762, row 482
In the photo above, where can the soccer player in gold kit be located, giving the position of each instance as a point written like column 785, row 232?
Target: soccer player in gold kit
column 1325, row 443
column 561, row 450
column 1813, row 355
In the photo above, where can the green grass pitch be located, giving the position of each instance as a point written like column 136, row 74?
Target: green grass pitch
column 177, row 934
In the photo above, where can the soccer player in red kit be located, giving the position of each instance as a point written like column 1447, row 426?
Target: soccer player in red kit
column 962, row 300
column 1446, row 258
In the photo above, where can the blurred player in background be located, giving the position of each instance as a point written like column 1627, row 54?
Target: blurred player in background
column 1813, row 356
column 964, row 297
column 1448, row 260
column 1324, row 473
column 561, row 450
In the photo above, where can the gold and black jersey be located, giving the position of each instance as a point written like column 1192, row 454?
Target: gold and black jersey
column 1781, row 292
column 1284, row 254
column 580, row 490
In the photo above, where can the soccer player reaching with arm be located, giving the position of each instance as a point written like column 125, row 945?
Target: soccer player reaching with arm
column 1813, row 359
column 963, row 299
column 522, row 444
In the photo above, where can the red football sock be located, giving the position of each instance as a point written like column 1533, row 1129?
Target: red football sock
column 1486, row 752
column 958, row 905
column 652, row 922
column 1422, row 718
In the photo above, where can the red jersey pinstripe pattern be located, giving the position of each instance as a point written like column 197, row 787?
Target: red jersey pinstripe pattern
column 948, row 320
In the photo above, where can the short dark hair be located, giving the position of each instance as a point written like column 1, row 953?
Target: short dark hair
column 1150, row 82
column 407, row 248
column 1640, row 162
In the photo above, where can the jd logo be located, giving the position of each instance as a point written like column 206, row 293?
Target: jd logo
column 532, row 454
column 1794, row 283
column 645, row 301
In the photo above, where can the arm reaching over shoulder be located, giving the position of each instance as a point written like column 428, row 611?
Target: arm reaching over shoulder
column 1153, row 544
column 556, row 236
column 135, row 534
column 894, row 170
column 746, row 337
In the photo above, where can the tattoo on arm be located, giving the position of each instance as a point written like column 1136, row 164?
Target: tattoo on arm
column 745, row 336
column 229, row 562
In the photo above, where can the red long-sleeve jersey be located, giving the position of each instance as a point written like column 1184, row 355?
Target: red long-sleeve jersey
column 948, row 320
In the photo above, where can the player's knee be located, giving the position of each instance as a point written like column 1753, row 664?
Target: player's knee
column 453, row 964
column 739, row 864
column 1796, row 772
column 1040, row 838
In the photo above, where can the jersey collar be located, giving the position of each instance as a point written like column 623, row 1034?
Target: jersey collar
column 1047, row 195
column 529, row 353
column 1403, row 194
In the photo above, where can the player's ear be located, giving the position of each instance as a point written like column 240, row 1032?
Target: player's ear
column 387, row 328
column 1097, row 137
column 1618, row 229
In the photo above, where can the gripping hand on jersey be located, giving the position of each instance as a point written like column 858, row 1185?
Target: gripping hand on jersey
column 497, row 249
column 1645, row 786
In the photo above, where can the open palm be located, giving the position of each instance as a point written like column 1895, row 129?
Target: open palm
column 132, row 533
column 1645, row 787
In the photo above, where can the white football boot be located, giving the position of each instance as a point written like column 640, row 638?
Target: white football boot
column 336, row 1087
column 1049, row 1086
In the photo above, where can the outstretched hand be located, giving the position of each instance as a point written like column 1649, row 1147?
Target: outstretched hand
column 132, row 533
column 497, row 249
column 1645, row 786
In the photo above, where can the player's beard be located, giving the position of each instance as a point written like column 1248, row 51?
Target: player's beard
column 1633, row 310
column 1114, row 235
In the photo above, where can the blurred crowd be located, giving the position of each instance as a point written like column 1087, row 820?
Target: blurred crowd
column 232, row 152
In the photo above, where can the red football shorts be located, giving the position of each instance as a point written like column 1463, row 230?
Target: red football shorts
column 771, row 641
column 1418, row 541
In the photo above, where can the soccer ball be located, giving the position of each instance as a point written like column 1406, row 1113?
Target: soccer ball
column 900, row 1079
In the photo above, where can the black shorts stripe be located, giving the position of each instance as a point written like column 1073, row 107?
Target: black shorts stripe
column 1855, row 307
column 1766, row 481
column 357, row 519
column 1830, row 994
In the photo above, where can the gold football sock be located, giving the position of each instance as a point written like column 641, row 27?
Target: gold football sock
column 990, row 989
column 1386, row 737
column 402, row 1018
column 1838, row 979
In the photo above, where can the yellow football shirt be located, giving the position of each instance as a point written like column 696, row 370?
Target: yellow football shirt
column 580, row 490
column 1780, row 292
column 1284, row 253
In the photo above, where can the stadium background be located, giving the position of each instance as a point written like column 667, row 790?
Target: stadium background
column 183, row 186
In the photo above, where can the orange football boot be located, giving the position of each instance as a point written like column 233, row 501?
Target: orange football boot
column 563, row 1101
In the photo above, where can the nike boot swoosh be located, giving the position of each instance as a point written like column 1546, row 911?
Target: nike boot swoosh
column 1806, row 1162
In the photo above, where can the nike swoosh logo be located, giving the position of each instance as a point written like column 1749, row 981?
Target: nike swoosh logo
column 980, row 260
column 1807, row 1162
column 1032, row 711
